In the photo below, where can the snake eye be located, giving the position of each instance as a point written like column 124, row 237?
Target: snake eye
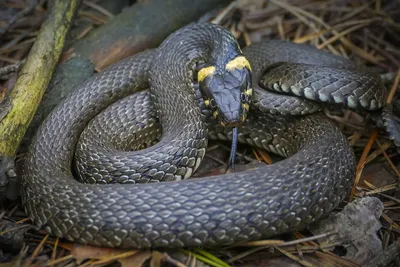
column 244, row 98
column 212, row 103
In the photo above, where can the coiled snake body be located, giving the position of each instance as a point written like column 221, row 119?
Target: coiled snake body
column 220, row 210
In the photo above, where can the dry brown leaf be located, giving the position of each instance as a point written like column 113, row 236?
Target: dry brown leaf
column 136, row 260
column 378, row 175
column 82, row 253
column 271, row 262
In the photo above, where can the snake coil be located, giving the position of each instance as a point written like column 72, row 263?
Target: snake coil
column 215, row 211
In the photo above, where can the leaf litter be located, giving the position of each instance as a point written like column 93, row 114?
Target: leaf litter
column 365, row 31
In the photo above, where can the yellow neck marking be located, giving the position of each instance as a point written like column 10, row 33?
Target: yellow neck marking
column 239, row 62
column 249, row 91
column 204, row 72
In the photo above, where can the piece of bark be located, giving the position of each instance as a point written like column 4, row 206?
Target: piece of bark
column 356, row 227
column 144, row 25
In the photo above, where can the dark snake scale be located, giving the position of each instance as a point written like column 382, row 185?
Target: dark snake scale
column 212, row 211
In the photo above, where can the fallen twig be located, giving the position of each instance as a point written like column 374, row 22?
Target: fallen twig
column 23, row 100
column 9, row 69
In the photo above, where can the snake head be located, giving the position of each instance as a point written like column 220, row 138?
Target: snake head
column 227, row 91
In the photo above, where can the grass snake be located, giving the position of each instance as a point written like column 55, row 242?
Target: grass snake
column 214, row 211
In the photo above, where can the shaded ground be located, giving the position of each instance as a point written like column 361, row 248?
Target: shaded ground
column 365, row 31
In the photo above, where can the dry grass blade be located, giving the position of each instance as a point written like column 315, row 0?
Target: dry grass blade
column 109, row 259
column 351, row 14
column 260, row 243
column 394, row 88
column 8, row 60
column 377, row 190
column 306, row 239
column 99, row 9
column 302, row 16
column 373, row 155
column 281, row 243
column 343, row 33
column 395, row 169
column 255, row 152
column 85, row 32
column 19, row 46
column 14, row 229
column 54, row 253
column 295, row 258
column 36, row 252
column 247, row 253
column 362, row 162
column 66, row 246
column 355, row 49
column 23, row 220
column 60, row 260
column 224, row 13
column 390, row 197
column 97, row 18
column 305, row 242
column 390, row 221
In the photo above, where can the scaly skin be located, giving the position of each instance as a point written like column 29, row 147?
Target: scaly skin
column 215, row 211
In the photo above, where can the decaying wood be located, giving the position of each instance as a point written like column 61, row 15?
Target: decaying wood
column 21, row 103
column 142, row 26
